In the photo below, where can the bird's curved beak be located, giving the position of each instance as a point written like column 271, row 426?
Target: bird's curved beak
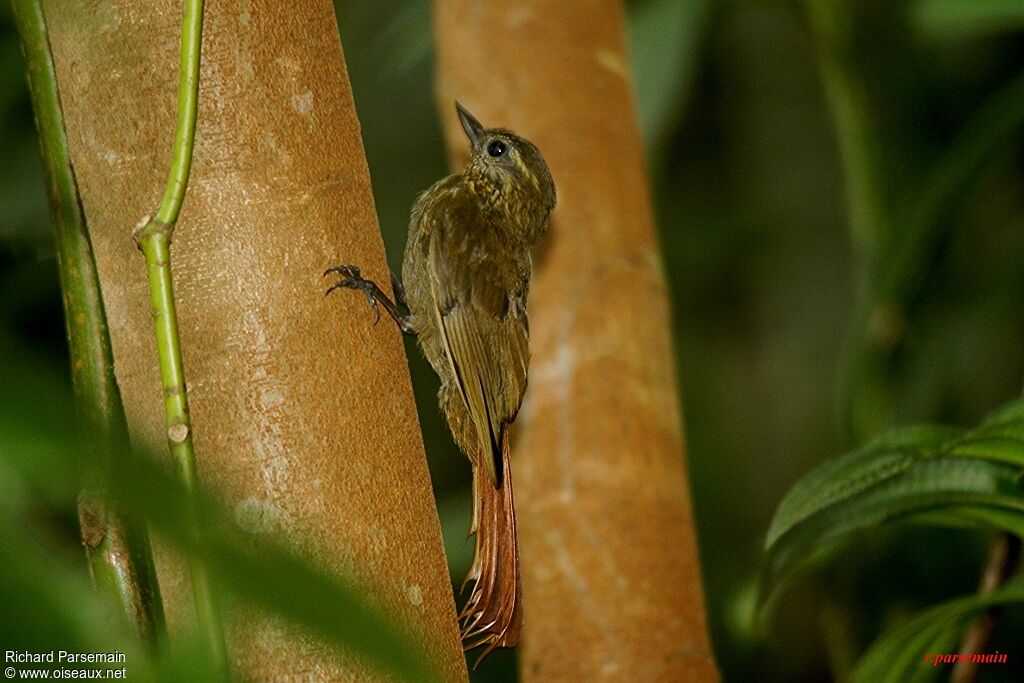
column 474, row 130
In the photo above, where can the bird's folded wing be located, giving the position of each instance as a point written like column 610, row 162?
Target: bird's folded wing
column 484, row 333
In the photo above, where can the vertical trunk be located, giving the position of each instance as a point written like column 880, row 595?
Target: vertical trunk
column 611, row 574
column 302, row 409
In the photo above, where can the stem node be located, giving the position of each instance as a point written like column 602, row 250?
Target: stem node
column 151, row 227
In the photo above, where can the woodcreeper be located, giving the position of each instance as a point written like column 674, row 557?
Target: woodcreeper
column 465, row 280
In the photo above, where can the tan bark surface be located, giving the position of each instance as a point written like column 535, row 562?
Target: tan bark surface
column 303, row 412
column 612, row 580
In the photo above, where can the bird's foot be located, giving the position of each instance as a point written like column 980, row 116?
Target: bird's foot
column 352, row 278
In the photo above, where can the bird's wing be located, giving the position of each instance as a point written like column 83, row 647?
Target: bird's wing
column 481, row 314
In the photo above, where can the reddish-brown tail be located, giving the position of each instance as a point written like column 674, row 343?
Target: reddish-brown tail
column 493, row 615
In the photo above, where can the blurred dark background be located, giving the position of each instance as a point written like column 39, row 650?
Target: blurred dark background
column 782, row 330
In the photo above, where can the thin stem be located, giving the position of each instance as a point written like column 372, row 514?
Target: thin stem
column 118, row 551
column 154, row 240
column 156, row 248
column 1003, row 561
column 188, row 103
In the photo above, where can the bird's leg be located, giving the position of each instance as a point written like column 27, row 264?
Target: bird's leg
column 399, row 289
column 351, row 278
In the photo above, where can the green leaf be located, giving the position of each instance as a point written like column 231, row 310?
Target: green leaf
column 40, row 461
column 404, row 41
column 944, row 19
column 46, row 605
column 995, row 448
column 49, row 606
column 907, row 652
column 968, row 517
column 988, row 132
column 664, row 36
column 924, row 475
column 844, row 478
column 270, row 576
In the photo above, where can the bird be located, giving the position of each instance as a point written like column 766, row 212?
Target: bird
column 465, row 281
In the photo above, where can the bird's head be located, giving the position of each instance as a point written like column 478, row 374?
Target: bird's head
column 511, row 169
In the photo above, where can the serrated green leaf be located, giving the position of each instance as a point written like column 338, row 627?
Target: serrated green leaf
column 926, row 475
column 883, row 458
column 833, row 483
column 900, row 655
column 929, row 485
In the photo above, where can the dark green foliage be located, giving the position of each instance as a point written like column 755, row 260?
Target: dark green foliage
column 912, row 183
column 749, row 191
column 40, row 463
column 934, row 475
column 897, row 656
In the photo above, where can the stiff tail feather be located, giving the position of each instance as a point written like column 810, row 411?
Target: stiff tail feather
column 493, row 616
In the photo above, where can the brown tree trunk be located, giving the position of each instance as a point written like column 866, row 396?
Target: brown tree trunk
column 302, row 409
column 611, row 574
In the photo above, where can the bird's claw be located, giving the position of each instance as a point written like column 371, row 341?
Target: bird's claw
column 347, row 273
column 373, row 304
column 352, row 278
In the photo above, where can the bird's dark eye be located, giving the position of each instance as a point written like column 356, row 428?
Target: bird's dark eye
column 496, row 148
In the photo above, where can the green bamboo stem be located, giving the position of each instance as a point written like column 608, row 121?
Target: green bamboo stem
column 118, row 552
column 154, row 239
